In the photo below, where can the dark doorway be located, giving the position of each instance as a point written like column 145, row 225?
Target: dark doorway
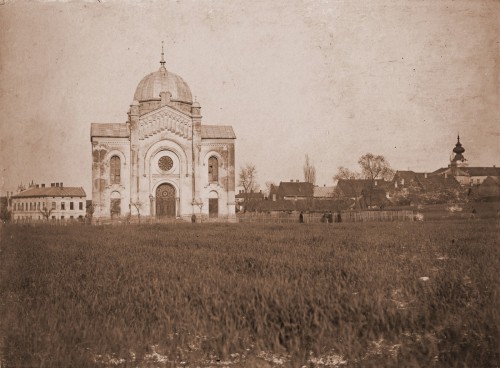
column 213, row 207
column 165, row 201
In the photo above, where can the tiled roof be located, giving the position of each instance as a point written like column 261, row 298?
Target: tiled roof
column 256, row 195
column 51, row 192
column 294, row 189
column 115, row 130
column 353, row 187
column 217, row 132
column 482, row 171
column 472, row 171
column 323, row 192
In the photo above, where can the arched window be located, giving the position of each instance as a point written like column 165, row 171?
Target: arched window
column 114, row 170
column 213, row 169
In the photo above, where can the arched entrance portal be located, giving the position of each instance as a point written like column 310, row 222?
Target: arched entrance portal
column 165, row 200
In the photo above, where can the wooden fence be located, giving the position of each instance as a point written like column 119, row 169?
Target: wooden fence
column 249, row 217
column 309, row 218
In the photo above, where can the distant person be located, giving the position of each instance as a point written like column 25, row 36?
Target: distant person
column 473, row 213
column 301, row 217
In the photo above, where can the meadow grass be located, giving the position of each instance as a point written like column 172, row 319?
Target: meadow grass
column 376, row 294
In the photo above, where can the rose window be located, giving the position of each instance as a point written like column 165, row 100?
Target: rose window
column 165, row 163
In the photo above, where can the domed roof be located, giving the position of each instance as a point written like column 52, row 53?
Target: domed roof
column 163, row 81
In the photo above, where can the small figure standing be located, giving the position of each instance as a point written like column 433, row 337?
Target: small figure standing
column 193, row 218
column 301, row 217
column 473, row 213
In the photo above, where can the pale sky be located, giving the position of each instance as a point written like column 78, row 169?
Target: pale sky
column 331, row 79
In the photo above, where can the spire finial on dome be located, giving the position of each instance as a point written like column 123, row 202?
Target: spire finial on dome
column 162, row 62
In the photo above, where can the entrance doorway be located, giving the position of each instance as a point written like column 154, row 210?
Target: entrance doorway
column 213, row 204
column 165, row 200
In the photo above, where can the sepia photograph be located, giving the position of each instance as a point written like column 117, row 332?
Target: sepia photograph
column 303, row 183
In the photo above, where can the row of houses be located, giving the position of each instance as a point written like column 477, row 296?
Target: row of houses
column 456, row 183
column 406, row 188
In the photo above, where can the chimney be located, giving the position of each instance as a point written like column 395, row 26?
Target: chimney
column 425, row 175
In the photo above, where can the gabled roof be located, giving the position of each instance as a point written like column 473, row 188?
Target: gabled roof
column 114, row 130
column 472, row 171
column 323, row 192
column 51, row 192
column 482, row 171
column 407, row 175
column 252, row 195
column 295, row 189
column 437, row 182
column 353, row 187
column 217, row 132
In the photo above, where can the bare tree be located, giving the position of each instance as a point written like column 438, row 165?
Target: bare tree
column 375, row 167
column 46, row 210
column 138, row 205
column 248, row 180
column 309, row 172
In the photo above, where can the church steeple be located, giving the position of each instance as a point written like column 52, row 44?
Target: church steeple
column 458, row 150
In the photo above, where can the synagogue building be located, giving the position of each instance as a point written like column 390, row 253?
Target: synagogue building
column 163, row 161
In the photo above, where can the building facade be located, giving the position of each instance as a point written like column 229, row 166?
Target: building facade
column 49, row 203
column 162, row 161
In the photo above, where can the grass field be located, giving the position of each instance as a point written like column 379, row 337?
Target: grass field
column 420, row 294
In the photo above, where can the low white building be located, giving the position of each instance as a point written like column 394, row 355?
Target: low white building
column 49, row 203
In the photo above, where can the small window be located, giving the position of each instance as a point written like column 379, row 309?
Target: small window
column 114, row 170
column 213, row 169
column 80, row 205
column 54, row 206
column 70, row 205
column 63, row 206
column 62, row 217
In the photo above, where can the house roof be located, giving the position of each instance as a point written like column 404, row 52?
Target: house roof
column 323, row 192
column 115, row 130
column 482, row 171
column 295, row 189
column 472, row 171
column 437, row 182
column 353, row 187
column 252, row 195
column 407, row 175
column 51, row 192
column 217, row 132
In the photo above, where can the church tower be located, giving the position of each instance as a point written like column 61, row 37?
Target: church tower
column 458, row 160
column 163, row 162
